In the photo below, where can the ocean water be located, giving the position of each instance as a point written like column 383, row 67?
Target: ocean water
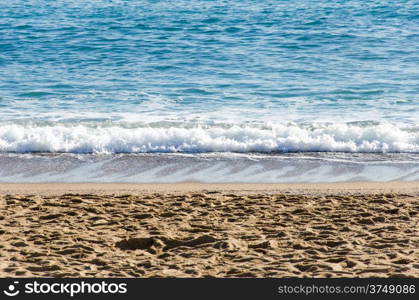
column 262, row 87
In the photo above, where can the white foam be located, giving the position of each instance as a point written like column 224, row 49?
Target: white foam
column 290, row 137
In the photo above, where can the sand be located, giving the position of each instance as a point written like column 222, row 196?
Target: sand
column 209, row 230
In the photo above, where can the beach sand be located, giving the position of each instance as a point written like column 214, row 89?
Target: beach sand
column 210, row 230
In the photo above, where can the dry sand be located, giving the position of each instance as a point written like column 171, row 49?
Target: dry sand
column 218, row 230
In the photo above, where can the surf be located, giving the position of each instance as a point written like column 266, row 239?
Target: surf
column 108, row 137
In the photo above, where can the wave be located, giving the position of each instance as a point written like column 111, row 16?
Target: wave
column 366, row 137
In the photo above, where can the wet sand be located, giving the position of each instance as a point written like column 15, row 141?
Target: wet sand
column 210, row 230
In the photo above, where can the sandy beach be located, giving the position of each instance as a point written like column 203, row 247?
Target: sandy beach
column 210, row 230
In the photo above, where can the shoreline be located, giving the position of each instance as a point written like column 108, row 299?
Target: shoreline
column 154, row 168
column 339, row 188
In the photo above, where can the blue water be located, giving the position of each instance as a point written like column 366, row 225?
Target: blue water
column 209, row 76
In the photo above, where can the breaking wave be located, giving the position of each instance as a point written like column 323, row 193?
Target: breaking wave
column 192, row 138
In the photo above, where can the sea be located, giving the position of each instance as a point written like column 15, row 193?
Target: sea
column 209, row 91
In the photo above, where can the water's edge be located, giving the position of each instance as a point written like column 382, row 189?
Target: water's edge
column 208, row 168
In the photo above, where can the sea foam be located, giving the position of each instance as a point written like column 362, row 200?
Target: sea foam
column 187, row 138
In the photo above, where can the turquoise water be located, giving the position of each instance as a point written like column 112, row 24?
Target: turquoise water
column 209, row 76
